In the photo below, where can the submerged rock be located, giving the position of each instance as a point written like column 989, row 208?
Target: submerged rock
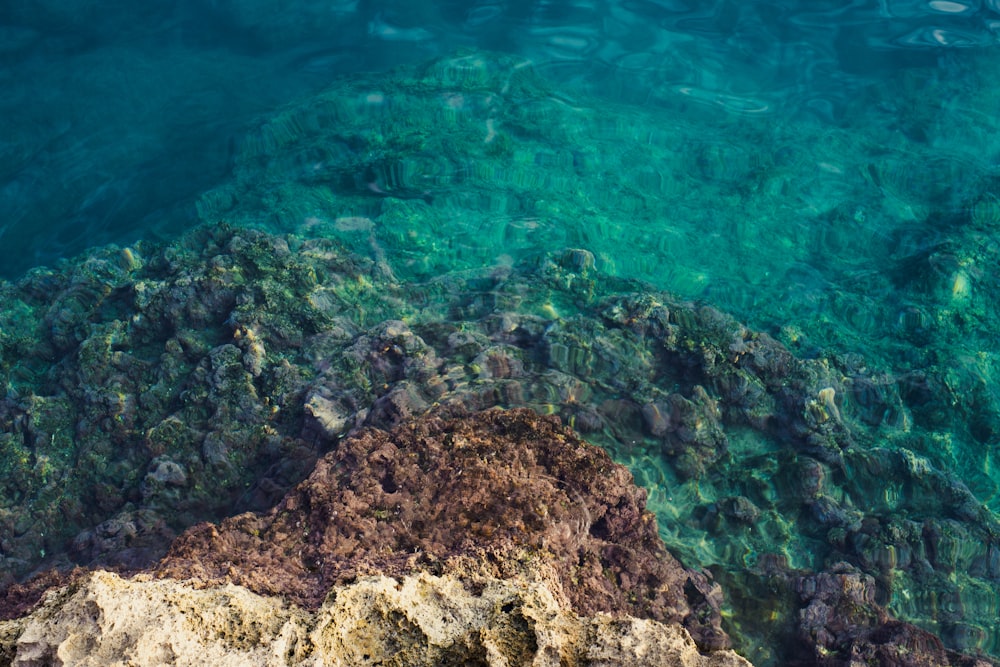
column 841, row 624
column 207, row 377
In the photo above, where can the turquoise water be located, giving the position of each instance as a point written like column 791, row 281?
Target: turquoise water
column 825, row 174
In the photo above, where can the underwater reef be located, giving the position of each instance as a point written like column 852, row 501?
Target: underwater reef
column 398, row 254
column 152, row 389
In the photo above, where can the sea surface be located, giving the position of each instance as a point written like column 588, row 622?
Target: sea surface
column 826, row 173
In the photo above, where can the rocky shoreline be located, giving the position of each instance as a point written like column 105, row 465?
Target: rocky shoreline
column 494, row 538
column 498, row 538
column 152, row 389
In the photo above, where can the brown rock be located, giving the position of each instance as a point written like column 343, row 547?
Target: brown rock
column 486, row 492
column 840, row 623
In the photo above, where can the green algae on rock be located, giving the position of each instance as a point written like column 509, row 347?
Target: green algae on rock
column 208, row 377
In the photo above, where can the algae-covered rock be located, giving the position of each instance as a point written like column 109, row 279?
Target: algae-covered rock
column 493, row 487
column 841, row 623
column 135, row 358
column 208, row 376
column 493, row 538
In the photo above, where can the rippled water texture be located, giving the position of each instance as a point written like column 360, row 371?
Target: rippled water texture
column 825, row 173
column 116, row 115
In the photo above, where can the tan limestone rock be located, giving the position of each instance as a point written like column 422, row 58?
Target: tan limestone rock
column 419, row 619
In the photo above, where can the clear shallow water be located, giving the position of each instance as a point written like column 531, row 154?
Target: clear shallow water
column 826, row 174
column 116, row 116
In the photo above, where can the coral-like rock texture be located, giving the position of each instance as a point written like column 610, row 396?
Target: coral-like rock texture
column 494, row 488
column 400, row 622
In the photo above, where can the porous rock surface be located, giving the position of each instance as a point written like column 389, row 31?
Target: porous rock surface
column 494, row 538
column 496, row 488
column 840, row 623
column 414, row 620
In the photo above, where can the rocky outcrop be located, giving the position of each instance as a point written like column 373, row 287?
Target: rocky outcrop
column 495, row 538
column 496, row 488
column 408, row 621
